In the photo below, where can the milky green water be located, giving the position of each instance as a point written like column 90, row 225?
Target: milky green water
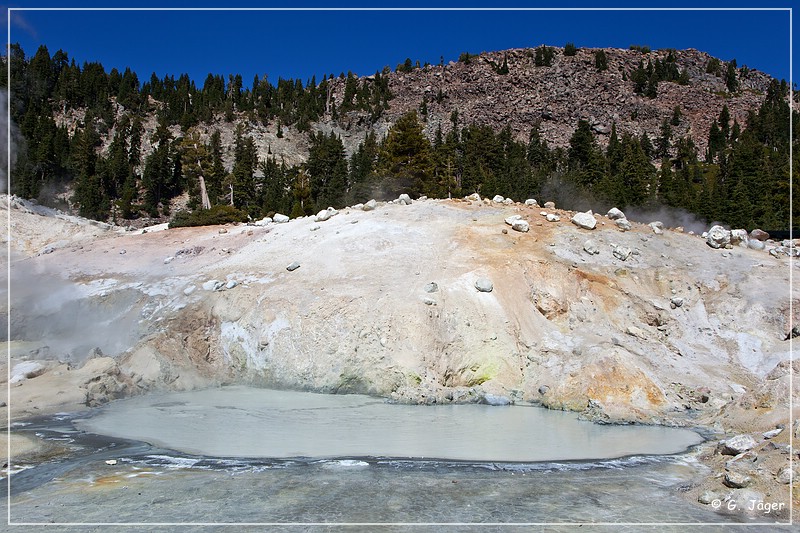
column 249, row 422
column 253, row 460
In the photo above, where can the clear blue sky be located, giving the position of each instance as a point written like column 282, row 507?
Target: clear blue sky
column 299, row 44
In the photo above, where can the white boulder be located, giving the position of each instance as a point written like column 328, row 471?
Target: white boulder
column 584, row 220
column 615, row 214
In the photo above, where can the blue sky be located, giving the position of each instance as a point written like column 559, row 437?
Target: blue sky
column 299, row 44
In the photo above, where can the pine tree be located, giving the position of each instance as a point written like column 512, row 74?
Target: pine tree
column 405, row 157
column 600, row 60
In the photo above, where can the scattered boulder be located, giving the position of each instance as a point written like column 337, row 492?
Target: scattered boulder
column 429, row 301
column 431, row 287
column 294, row 266
column 543, row 389
column 280, row 219
column 495, row 399
column 623, row 224
column 475, row 197
column 657, row 227
column 520, row 225
column 584, row 220
column 633, row 331
column 263, row 222
column 590, row 247
column 323, row 215
column 622, row 253
column 718, row 237
column 552, row 217
column 358, row 207
column 404, row 199
column 736, row 445
column 530, row 201
column 371, row 205
column 510, row 220
column 737, row 480
column 189, row 290
column 676, row 302
column 231, row 284
column 739, row 236
column 771, row 434
column 498, row 199
column 508, row 201
column 754, row 244
column 759, row 235
column 26, row 370
column 213, row 285
column 549, row 205
column 222, row 231
column 484, row 285
column 615, row 214
column 785, row 475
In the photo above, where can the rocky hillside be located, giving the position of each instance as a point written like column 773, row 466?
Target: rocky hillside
column 555, row 96
column 567, row 91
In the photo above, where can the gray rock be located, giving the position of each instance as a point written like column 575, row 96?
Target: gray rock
column 584, row 220
column 676, row 302
column 718, row 237
column 754, row 244
column 169, row 260
column 189, row 290
column 508, row 201
column 358, row 207
column 739, row 236
column 475, row 197
column 552, row 217
column 484, row 285
column 26, row 370
column 657, row 227
column 736, row 445
column 543, row 389
column 759, row 235
column 530, row 201
column 615, row 214
column 636, row 332
column 315, row 227
column 371, row 205
column 708, row 496
column 737, row 480
column 263, row 222
column 498, row 199
column 323, row 215
column 280, row 219
column 623, row 224
column 494, row 399
column 212, row 285
column 622, row 253
column 404, row 199
column 549, row 205
column 294, row 266
column 431, row 287
column 520, row 225
column 510, row 220
column 429, row 301
column 231, row 284
column 785, row 475
column 771, row 434
column 590, row 247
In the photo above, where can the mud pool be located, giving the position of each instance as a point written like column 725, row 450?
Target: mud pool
column 238, row 455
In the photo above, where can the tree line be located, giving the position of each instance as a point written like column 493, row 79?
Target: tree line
column 742, row 179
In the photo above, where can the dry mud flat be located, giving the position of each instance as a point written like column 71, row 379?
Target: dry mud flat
column 623, row 326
